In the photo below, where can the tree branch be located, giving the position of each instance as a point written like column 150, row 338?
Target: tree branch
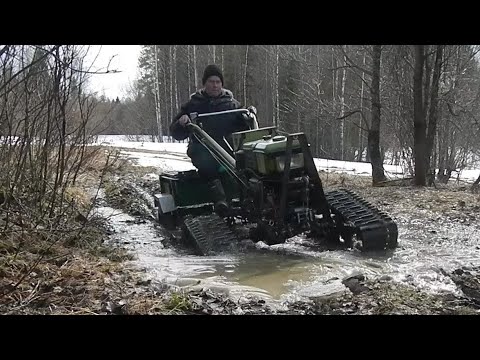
column 366, row 71
column 350, row 113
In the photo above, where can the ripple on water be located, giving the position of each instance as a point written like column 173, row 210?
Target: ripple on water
column 291, row 270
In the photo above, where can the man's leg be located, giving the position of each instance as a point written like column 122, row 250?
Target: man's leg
column 208, row 169
column 218, row 193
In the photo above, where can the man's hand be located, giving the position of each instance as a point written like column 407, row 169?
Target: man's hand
column 184, row 119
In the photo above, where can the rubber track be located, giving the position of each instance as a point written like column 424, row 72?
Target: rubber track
column 208, row 233
column 373, row 227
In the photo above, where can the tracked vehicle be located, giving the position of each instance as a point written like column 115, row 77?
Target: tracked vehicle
column 272, row 187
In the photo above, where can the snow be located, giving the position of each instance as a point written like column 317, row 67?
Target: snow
column 171, row 156
column 141, row 143
column 354, row 168
column 164, row 162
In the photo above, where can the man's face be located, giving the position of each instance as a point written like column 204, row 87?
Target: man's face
column 213, row 86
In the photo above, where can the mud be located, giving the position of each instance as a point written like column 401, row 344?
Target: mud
column 433, row 271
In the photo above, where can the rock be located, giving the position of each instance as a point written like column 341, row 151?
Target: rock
column 354, row 282
column 385, row 278
column 249, row 244
column 143, row 282
column 184, row 282
column 195, row 289
column 458, row 272
column 355, row 286
column 324, row 291
column 261, row 245
column 355, row 275
column 218, row 290
column 208, row 290
column 238, row 311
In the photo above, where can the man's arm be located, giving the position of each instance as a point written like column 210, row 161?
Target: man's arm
column 177, row 127
column 239, row 123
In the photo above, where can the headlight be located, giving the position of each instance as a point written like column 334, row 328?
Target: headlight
column 295, row 162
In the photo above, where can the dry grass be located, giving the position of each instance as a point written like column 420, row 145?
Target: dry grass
column 72, row 272
column 72, row 281
column 63, row 270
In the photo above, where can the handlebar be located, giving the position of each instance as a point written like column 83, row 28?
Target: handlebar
column 251, row 112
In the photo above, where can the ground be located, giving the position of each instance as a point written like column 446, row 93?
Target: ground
column 98, row 280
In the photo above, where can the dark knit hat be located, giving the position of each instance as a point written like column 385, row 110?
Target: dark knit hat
column 212, row 70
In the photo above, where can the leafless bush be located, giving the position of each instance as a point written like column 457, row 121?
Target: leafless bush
column 44, row 133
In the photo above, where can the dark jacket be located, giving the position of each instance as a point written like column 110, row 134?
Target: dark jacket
column 218, row 126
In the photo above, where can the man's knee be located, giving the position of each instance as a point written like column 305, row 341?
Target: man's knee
column 207, row 166
column 207, row 170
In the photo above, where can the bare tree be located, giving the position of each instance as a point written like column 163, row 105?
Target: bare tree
column 158, row 110
column 419, row 117
column 317, row 89
column 195, row 74
column 360, row 134
column 374, row 132
column 245, row 76
column 342, row 105
column 433, row 110
column 277, row 97
column 45, row 117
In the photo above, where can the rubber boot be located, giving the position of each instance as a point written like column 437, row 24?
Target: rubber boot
column 218, row 194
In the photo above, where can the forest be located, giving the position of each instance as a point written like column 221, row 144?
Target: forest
column 413, row 105
column 410, row 105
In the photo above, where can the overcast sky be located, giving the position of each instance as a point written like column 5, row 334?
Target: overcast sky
column 125, row 59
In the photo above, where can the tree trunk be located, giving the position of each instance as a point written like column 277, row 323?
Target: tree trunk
column 245, row 78
column 419, row 117
column 433, row 113
column 195, row 74
column 175, row 77
column 360, row 131
column 277, row 96
column 317, row 122
column 157, row 99
column 172, row 101
column 188, row 71
column 342, row 106
column 222, row 58
column 301, row 89
column 474, row 187
column 165, row 94
column 266, row 114
column 442, row 155
column 334, row 95
column 296, row 107
column 428, row 70
column 374, row 131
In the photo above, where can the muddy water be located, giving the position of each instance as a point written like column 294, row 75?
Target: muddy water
column 291, row 271
column 265, row 274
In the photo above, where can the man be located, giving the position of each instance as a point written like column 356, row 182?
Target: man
column 212, row 98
